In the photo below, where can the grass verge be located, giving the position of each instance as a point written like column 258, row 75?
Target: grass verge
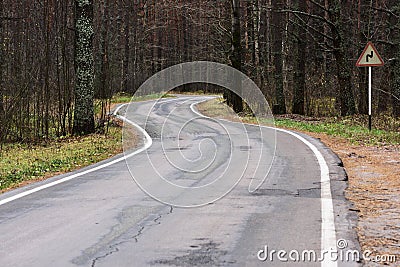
column 21, row 164
column 371, row 160
column 352, row 128
column 126, row 98
column 354, row 133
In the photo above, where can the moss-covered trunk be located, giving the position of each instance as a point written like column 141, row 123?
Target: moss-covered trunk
column 84, row 68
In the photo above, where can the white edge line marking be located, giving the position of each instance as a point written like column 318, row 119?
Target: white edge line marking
column 148, row 143
column 328, row 232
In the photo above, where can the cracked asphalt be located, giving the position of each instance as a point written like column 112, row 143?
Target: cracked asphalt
column 104, row 219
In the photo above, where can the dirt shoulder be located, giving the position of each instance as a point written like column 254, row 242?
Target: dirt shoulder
column 373, row 188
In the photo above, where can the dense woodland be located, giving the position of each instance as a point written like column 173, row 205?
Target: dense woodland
column 301, row 54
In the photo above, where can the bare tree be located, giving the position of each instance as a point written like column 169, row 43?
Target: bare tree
column 300, row 53
column 277, row 36
column 334, row 17
column 233, row 99
column 300, row 66
column 1, row 67
column 395, row 95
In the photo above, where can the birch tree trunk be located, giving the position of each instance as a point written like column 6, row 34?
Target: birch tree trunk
column 277, row 21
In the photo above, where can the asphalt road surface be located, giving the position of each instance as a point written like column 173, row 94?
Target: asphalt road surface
column 104, row 218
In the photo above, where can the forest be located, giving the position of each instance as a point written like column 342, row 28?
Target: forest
column 301, row 54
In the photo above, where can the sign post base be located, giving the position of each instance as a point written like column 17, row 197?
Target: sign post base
column 370, row 122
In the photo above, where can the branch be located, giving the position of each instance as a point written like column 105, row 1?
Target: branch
column 388, row 93
column 12, row 18
column 320, row 6
column 223, row 30
column 313, row 28
column 386, row 11
column 385, row 42
column 332, row 25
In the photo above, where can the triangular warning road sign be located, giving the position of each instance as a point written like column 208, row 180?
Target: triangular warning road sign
column 370, row 57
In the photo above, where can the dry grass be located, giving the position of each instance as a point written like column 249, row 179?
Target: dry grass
column 374, row 188
column 216, row 108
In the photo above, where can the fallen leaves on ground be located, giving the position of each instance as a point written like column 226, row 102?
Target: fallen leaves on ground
column 374, row 188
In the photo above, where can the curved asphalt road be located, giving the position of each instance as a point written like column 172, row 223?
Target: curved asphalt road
column 102, row 218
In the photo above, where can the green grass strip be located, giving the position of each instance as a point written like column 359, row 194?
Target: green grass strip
column 23, row 162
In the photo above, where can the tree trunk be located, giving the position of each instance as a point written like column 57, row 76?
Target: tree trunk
column 103, row 91
column 346, row 95
column 277, row 20
column 1, row 65
column 396, row 84
column 396, row 71
column 256, row 33
column 84, row 68
column 127, row 48
column 300, row 74
column 2, row 122
column 48, row 59
column 264, row 42
column 235, row 100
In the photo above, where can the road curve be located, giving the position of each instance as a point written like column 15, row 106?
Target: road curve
column 104, row 218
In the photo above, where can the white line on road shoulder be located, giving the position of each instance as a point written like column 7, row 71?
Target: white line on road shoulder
column 328, row 234
column 328, row 231
column 148, row 143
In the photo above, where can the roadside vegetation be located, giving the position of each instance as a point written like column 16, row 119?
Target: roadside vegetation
column 21, row 163
column 123, row 97
column 25, row 162
column 371, row 160
column 352, row 128
column 386, row 130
